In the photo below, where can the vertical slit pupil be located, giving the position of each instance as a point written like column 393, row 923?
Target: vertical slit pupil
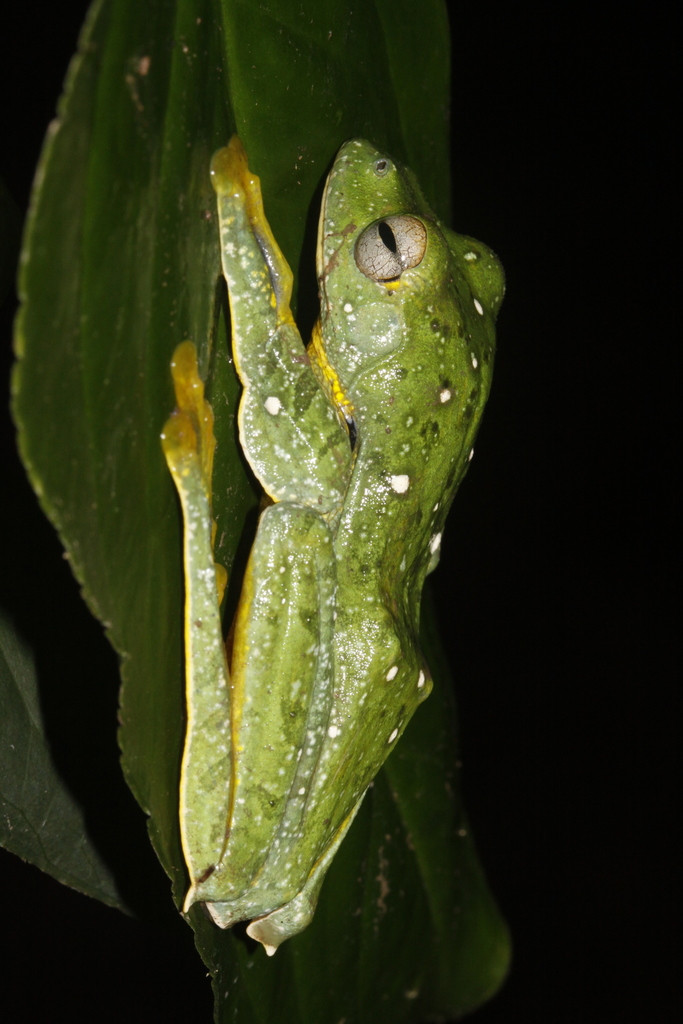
column 387, row 236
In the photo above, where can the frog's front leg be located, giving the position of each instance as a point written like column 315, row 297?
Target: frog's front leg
column 290, row 432
column 188, row 442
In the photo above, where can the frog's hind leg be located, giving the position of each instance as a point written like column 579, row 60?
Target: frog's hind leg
column 291, row 918
column 282, row 680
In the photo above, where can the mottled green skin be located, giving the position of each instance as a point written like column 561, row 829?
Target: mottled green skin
column 415, row 362
column 327, row 669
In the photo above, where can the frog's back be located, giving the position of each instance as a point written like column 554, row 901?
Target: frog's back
column 405, row 345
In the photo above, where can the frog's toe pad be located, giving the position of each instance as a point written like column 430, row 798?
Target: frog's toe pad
column 272, row 929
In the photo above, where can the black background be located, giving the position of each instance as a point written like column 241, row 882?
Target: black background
column 557, row 584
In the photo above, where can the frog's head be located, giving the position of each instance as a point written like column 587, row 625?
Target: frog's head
column 384, row 261
column 368, row 236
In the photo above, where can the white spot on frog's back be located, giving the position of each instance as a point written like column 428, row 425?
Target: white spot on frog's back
column 393, row 736
column 478, row 306
column 273, row 405
column 435, row 542
column 420, row 680
column 400, row 483
column 333, row 731
column 445, row 395
column 348, row 308
column 470, row 256
column 475, row 361
column 392, row 673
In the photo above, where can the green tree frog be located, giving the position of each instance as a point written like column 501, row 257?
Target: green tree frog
column 360, row 442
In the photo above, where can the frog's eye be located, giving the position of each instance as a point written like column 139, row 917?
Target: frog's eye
column 388, row 247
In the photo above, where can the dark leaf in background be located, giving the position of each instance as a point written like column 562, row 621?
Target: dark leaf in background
column 40, row 820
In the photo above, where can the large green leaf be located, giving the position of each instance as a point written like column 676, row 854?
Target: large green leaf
column 121, row 263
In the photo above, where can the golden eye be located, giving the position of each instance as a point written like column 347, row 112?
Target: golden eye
column 388, row 247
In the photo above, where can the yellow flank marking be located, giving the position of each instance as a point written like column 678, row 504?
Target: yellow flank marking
column 327, row 376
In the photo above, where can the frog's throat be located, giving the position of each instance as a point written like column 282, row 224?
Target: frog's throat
column 327, row 375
